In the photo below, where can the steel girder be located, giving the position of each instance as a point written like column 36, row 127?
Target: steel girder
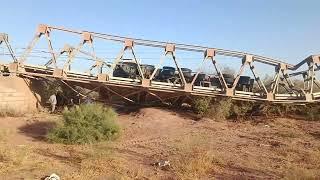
column 281, row 78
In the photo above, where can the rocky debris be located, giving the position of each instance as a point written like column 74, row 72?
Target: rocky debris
column 163, row 164
column 53, row 176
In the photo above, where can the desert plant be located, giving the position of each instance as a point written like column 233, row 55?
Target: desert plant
column 220, row 109
column 193, row 164
column 226, row 108
column 11, row 157
column 201, row 105
column 271, row 109
column 86, row 124
column 241, row 109
column 193, row 158
column 312, row 112
column 217, row 108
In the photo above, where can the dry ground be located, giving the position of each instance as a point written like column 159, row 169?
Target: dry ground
column 205, row 149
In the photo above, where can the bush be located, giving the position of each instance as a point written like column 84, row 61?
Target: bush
column 242, row 109
column 86, row 124
column 226, row 108
column 194, row 158
column 282, row 110
column 220, row 109
column 312, row 112
column 201, row 105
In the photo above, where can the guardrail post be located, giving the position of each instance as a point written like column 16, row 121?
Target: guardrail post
column 59, row 73
column 270, row 96
column 103, row 77
column 146, row 83
column 188, row 87
column 229, row 92
column 13, row 67
column 308, row 97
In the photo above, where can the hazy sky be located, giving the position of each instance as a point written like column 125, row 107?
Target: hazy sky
column 283, row 29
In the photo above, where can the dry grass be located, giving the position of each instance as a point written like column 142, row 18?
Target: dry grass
column 69, row 162
column 5, row 134
column 115, row 167
column 196, row 150
column 288, row 133
column 12, row 157
column 299, row 173
column 307, row 170
column 103, row 160
column 194, row 160
column 8, row 111
column 194, row 165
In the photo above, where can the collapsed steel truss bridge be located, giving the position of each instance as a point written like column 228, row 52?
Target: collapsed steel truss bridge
column 146, row 87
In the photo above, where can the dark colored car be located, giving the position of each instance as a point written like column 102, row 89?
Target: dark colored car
column 215, row 81
column 187, row 73
column 245, row 84
column 126, row 70
column 167, row 74
column 200, row 79
column 229, row 78
column 147, row 70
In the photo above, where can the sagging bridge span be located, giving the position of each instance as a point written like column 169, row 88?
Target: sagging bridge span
column 147, row 86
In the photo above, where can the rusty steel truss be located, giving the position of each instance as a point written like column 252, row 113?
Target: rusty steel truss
column 146, row 88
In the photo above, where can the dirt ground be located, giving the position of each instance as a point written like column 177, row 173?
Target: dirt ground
column 196, row 149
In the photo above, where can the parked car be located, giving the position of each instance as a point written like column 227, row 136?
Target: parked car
column 147, row 70
column 187, row 73
column 167, row 74
column 245, row 84
column 126, row 70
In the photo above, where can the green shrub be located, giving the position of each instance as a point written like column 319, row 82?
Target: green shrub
column 226, row 108
column 312, row 112
column 273, row 109
column 269, row 109
column 241, row 109
column 201, row 105
column 220, row 108
column 86, row 124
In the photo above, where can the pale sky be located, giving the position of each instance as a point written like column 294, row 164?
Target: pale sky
column 281, row 29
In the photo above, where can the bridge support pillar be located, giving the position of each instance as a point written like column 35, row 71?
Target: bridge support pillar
column 103, row 77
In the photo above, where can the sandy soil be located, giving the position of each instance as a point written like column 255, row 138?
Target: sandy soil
column 257, row 149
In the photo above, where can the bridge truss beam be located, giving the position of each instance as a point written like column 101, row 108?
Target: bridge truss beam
column 147, row 86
